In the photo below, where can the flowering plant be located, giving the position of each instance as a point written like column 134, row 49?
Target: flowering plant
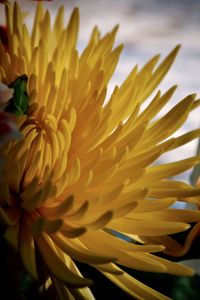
column 81, row 185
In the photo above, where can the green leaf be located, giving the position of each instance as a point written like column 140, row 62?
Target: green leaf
column 18, row 105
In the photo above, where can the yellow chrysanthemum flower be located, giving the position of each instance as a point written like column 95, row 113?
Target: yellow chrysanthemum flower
column 84, row 167
column 172, row 247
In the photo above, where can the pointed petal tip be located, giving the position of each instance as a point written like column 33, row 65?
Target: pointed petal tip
column 174, row 87
column 115, row 29
column 187, row 226
column 76, row 12
column 178, row 46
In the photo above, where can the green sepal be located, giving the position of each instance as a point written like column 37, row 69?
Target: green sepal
column 18, row 105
